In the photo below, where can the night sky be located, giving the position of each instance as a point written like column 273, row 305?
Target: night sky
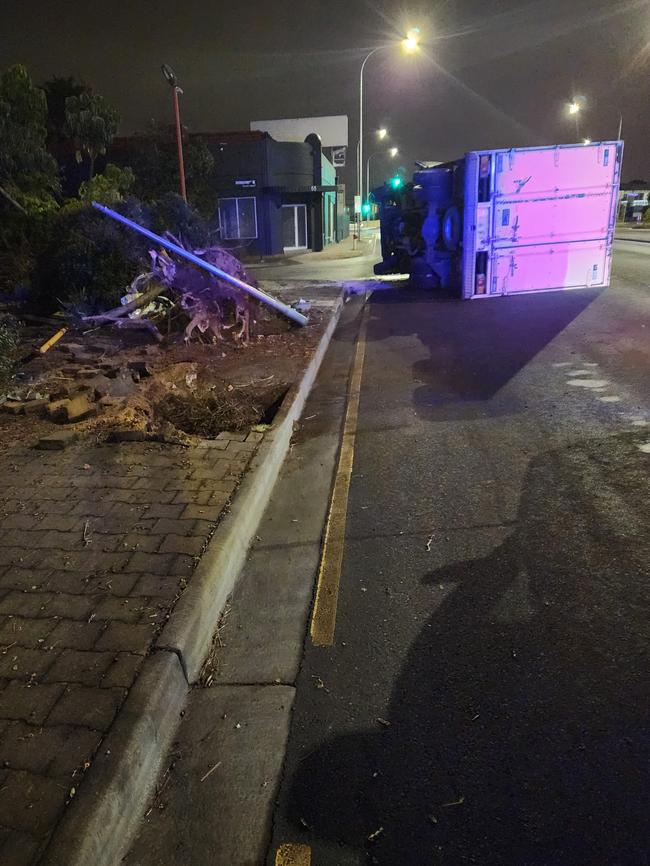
column 492, row 73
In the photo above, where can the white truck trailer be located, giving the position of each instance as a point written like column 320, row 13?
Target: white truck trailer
column 502, row 222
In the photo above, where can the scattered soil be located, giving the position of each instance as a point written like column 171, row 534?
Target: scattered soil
column 170, row 391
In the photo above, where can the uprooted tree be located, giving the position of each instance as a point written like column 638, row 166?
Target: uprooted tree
column 211, row 305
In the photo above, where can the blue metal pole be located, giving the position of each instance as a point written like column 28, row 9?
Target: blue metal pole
column 258, row 294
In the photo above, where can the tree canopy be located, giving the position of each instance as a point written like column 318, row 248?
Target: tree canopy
column 28, row 173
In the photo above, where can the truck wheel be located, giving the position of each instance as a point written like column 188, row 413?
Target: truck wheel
column 451, row 228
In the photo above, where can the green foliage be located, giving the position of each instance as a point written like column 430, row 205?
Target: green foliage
column 154, row 158
column 87, row 264
column 57, row 90
column 27, row 171
column 92, row 123
column 109, row 187
column 9, row 338
column 173, row 214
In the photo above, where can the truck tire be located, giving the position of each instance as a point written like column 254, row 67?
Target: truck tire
column 451, row 228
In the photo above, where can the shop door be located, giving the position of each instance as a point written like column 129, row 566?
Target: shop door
column 294, row 227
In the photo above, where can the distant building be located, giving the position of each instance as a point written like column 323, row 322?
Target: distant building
column 276, row 196
column 633, row 203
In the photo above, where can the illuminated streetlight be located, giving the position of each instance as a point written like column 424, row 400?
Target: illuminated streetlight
column 382, row 133
column 586, row 141
column 410, row 45
column 574, row 108
column 393, row 152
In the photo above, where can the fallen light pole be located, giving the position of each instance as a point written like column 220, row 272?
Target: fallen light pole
column 258, row 294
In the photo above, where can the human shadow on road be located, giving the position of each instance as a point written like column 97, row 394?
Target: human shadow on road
column 519, row 728
column 475, row 347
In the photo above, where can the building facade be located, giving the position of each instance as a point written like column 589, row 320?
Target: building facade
column 275, row 196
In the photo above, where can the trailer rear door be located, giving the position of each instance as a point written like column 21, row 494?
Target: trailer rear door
column 543, row 218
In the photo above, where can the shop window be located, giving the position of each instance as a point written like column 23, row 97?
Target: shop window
column 238, row 218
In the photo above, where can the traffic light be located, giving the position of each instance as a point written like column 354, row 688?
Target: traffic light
column 365, row 208
column 395, row 182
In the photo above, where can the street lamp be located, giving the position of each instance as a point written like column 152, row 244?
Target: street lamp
column 586, row 141
column 170, row 78
column 382, row 133
column 574, row 108
column 410, row 45
column 392, row 152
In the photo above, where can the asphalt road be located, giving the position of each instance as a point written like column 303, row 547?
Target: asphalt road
column 486, row 697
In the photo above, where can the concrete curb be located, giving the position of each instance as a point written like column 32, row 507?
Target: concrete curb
column 190, row 629
column 98, row 828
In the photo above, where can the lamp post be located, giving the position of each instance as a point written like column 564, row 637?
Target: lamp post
column 170, row 77
column 392, row 152
column 410, row 44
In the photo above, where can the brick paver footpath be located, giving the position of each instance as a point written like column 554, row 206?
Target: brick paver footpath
column 96, row 544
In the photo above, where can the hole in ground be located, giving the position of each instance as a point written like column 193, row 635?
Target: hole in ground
column 207, row 413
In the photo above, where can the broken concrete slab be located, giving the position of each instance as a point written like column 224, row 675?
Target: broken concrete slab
column 57, row 441
column 71, row 409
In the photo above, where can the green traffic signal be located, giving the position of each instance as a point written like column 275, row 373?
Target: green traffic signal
column 365, row 208
column 396, row 182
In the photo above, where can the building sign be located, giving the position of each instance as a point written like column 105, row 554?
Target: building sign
column 246, row 183
column 338, row 157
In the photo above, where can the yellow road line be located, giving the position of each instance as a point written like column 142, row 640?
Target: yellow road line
column 291, row 854
column 323, row 620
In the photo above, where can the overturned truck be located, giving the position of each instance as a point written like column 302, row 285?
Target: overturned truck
column 501, row 222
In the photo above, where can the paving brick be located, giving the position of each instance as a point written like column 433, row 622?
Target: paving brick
column 31, row 803
column 25, row 603
column 21, row 521
column 89, row 561
column 203, row 528
column 91, row 707
column 110, row 584
column 122, row 609
column 62, row 523
column 146, row 543
column 75, row 635
column 55, row 750
column 213, row 444
column 254, row 436
column 201, row 512
column 24, row 578
column 69, row 606
column 151, row 563
column 30, row 702
column 179, row 544
column 123, row 671
column 239, row 447
column 235, row 437
column 70, row 582
column 215, row 472
column 167, row 586
column 128, row 637
column 25, row 632
column 77, row 748
column 181, row 566
column 79, row 666
column 194, row 497
column 152, row 482
column 169, row 511
column 19, row 556
column 185, row 484
column 25, row 663
column 19, row 849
